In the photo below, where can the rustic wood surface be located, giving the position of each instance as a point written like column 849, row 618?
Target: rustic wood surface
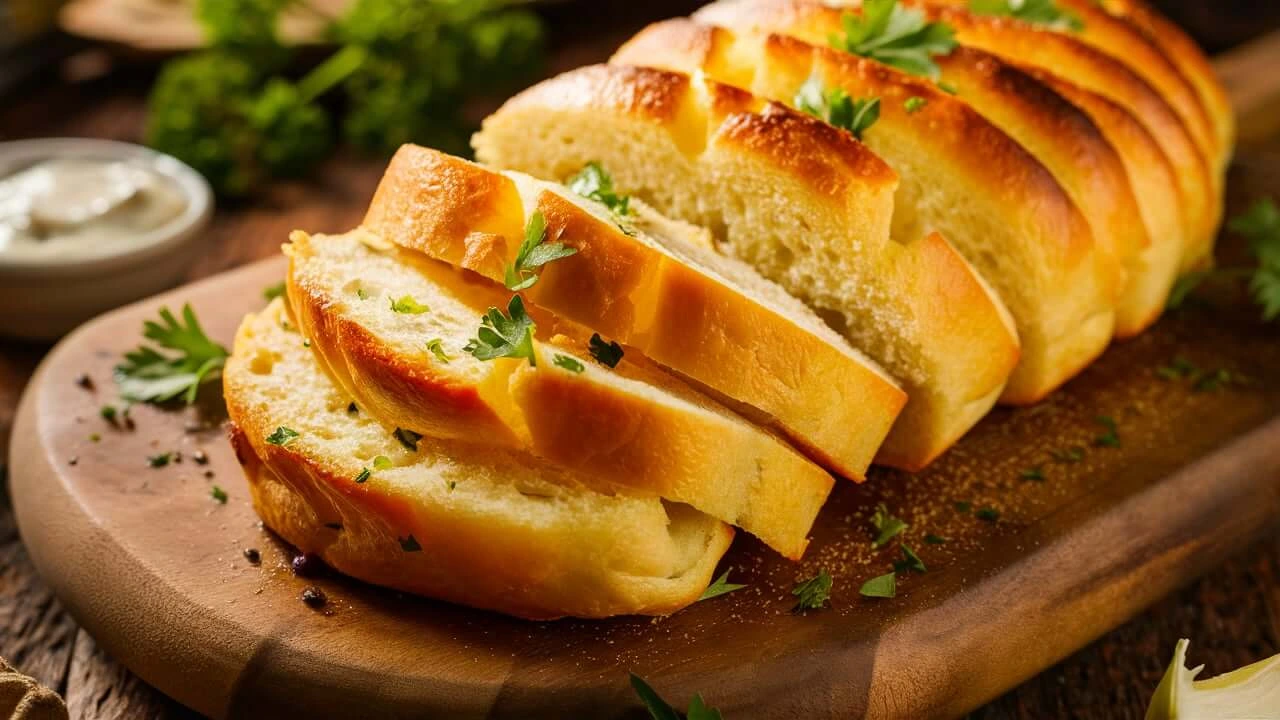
column 1232, row 614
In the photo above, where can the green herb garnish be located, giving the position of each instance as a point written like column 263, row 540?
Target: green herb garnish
column 218, row 494
column 382, row 462
column 408, row 306
column 1260, row 225
column 1178, row 369
column 1068, row 456
column 594, row 183
column 147, row 375
column 909, row 561
column 1038, row 12
column 1034, row 474
column 282, row 436
column 932, row 539
column 534, row 252
column 812, row 593
column 500, row 335
column 159, row 461
column 963, row 506
column 408, row 438
column 837, row 108
column 108, row 413
column 989, row 514
column 895, row 35
column 567, row 363
column 410, row 544
column 436, row 347
column 271, row 292
column 1110, row 438
column 1212, row 381
column 608, row 354
column 882, row 586
column 887, row 526
column 914, row 104
column 363, row 476
column 721, row 586
column 660, row 710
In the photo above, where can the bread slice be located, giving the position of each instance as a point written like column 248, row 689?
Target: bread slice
column 475, row 525
column 697, row 152
column 1083, row 65
column 708, row 318
column 1190, row 60
column 1067, row 141
column 632, row 427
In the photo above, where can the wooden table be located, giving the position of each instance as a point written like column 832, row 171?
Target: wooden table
column 1232, row 616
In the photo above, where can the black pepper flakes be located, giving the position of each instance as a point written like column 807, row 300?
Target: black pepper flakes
column 208, row 474
column 84, row 381
column 253, row 556
column 314, row 597
column 74, row 460
column 305, row 565
column 200, row 457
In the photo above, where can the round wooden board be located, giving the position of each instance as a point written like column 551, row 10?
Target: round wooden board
column 151, row 565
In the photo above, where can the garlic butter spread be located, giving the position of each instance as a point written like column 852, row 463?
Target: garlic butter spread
column 65, row 207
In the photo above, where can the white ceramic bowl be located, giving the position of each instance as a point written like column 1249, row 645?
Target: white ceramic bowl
column 44, row 299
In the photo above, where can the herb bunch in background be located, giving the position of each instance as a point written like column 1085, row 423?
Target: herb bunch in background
column 404, row 68
column 1260, row 226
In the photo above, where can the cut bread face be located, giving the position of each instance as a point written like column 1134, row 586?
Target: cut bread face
column 803, row 203
column 631, row 428
column 671, row 299
column 743, row 47
column 469, row 524
column 703, row 152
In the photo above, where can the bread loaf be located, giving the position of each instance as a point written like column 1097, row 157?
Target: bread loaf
column 476, row 525
column 629, row 428
column 673, row 300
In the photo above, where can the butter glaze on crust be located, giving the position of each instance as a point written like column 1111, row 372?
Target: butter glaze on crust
column 497, row 530
column 742, row 340
column 631, row 428
column 805, row 204
column 1029, row 241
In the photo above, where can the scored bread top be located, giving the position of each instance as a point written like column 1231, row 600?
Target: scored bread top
column 631, row 427
column 1023, row 232
column 476, row 525
column 763, row 352
column 1057, row 133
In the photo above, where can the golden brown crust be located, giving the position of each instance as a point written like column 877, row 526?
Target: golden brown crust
column 964, row 142
column 543, row 551
column 639, row 296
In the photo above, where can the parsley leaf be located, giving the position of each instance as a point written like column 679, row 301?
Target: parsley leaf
column 1068, row 456
column 1212, row 380
column 910, row 561
column 605, row 353
column 500, row 335
column 567, row 363
column 837, row 108
column 721, row 586
column 147, row 375
column 1260, row 225
column 932, row 539
column 594, row 183
column 989, row 514
column 1179, row 368
column 1038, row 12
column 410, row 544
column 534, row 252
column 363, row 476
column 882, row 586
column 812, row 593
column 159, row 461
column 1110, row 438
column 282, row 436
column 271, row 292
column 914, row 104
column 963, row 506
column 896, row 36
column 382, row 462
column 218, row 494
column 886, row 525
column 408, row 306
column 659, row 709
column 1035, row 474
column 436, row 346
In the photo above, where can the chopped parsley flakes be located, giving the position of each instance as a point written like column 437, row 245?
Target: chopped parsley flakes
column 882, row 586
column 837, row 108
column 408, row 306
column 509, row 335
column 436, row 347
column 813, row 593
column 887, row 526
column 218, row 494
column 567, row 363
column 534, row 252
column 721, row 586
column 594, row 183
column 282, row 436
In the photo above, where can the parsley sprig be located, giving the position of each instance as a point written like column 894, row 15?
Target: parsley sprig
column 148, row 375
column 896, row 36
column 660, row 709
column 837, row 108
column 887, row 526
column 504, row 335
column 721, row 586
column 534, row 252
column 813, row 593
column 1038, row 12
column 595, row 183
column 1260, row 225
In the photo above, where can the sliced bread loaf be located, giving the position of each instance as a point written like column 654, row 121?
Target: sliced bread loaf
column 742, row 47
column 789, row 194
column 709, row 318
column 475, row 525
column 393, row 326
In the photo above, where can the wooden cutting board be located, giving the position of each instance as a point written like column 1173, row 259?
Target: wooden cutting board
column 151, row 565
